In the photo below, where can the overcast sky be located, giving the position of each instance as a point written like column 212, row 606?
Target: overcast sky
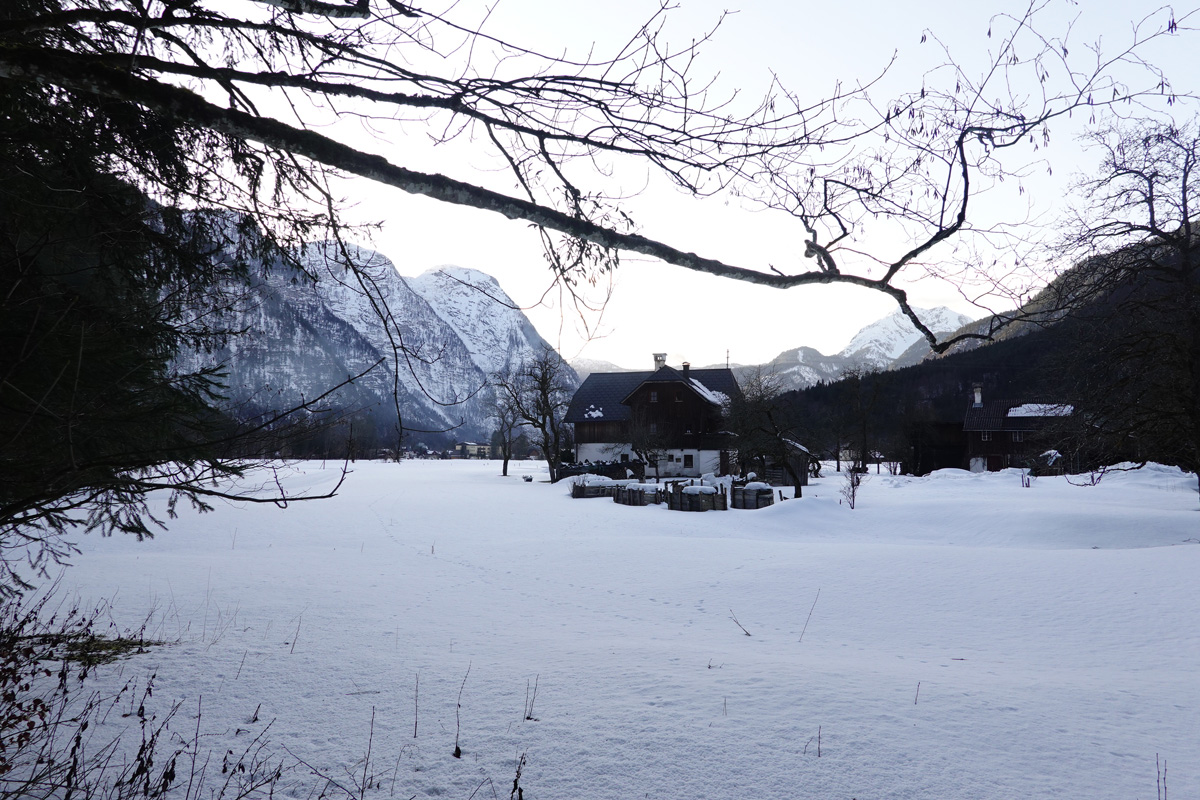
column 659, row 308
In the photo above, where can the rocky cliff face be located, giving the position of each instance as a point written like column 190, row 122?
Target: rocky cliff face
column 436, row 339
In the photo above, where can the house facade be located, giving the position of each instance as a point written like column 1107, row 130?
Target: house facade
column 671, row 418
column 472, row 450
column 1010, row 433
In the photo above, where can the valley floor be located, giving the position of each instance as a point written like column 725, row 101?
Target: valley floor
column 955, row 636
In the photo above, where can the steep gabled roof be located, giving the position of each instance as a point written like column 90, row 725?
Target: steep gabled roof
column 601, row 397
column 1013, row 415
column 598, row 398
column 710, row 384
column 718, row 380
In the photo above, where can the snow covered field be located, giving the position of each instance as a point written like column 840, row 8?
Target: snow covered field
column 970, row 638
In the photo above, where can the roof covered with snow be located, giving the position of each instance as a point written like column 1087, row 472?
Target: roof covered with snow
column 1041, row 410
column 601, row 397
column 1013, row 415
column 604, row 391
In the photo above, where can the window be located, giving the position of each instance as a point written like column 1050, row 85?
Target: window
column 1018, row 436
column 624, row 457
column 653, row 428
column 687, row 462
column 985, row 436
column 653, row 397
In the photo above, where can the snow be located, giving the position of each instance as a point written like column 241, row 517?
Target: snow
column 711, row 395
column 884, row 340
column 492, row 327
column 593, row 412
column 1041, row 410
column 956, row 635
column 588, row 479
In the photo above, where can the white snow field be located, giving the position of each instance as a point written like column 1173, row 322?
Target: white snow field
column 954, row 636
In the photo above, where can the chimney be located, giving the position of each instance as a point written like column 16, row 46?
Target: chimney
column 686, row 367
column 660, row 361
column 977, row 390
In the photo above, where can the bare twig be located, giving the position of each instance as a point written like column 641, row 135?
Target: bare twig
column 517, row 792
column 530, row 699
column 810, row 613
column 457, row 708
column 733, row 617
column 367, row 761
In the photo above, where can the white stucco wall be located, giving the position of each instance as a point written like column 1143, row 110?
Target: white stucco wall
column 703, row 461
column 603, row 452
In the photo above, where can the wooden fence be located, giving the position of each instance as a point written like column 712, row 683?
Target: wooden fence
column 678, row 495
column 639, row 495
column 581, row 490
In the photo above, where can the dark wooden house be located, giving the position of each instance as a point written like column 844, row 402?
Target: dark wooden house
column 1011, row 433
column 673, row 417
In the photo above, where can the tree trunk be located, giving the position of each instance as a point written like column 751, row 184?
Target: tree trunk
column 797, row 482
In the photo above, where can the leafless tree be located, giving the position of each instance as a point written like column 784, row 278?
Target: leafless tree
column 538, row 391
column 838, row 164
column 917, row 175
column 646, row 441
column 507, row 417
column 768, row 427
column 852, row 479
column 861, row 392
column 1133, row 364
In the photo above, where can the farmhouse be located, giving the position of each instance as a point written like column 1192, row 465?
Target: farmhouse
column 1009, row 433
column 471, row 450
column 673, row 419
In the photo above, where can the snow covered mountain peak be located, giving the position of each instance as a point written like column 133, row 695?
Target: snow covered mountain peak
column 888, row 343
column 437, row 342
column 494, row 330
column 883, row 341
column 452, row 273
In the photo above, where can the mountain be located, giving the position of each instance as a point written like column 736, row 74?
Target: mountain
column 882, row 343
column 888, row 343
column 586, row 366
column 802, row 367
column 495, row 332
column 438, row 338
